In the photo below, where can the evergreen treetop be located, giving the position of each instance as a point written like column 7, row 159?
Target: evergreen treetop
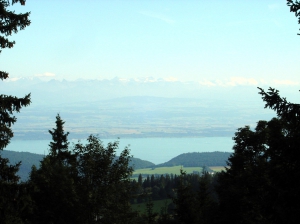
column 60, row 143
column 10, row 22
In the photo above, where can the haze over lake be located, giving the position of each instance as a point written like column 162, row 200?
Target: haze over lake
column 176, row 118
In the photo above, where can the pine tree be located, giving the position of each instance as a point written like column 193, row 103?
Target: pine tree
column 150, row 215
column 55, row 193
column 205, row 205
column 12, row 194
column 184, row 201
column 10, row 23
column 295, row 7
column 262, row 181
column 59, row 145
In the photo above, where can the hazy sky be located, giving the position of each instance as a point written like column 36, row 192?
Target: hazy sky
column 185, row 40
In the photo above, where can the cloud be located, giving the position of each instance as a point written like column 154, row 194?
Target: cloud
column 285, row 82
column 234, row 81
column 171, row 79
column 158, row 16
column 14, row 79
column 46, row 74
column 206, row 82
column 145, row 79
column 243, row 81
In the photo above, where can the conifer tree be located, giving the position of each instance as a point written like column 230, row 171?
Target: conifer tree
column 11, row 192
column 55, row 193
column 295, row 7
column 184, row 201
column 10, row 22
column 59, row 145
column 262, row 181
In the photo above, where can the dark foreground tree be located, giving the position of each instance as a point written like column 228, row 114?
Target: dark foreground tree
column 89, row 184
column 193, row 201
column 104, row 184
column 295, row 7
column 262, row 181
column 184, row 201
column 10, row 22
column 13, row 199
column 54, row 182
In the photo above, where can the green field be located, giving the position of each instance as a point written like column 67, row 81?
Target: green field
column 172, row 170
column 165, row 170
column 217, row 168
column 157, row 205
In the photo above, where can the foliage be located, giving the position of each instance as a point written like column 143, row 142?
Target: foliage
column 28, row 160
column 54, row 182
column 59, row 144
column 192, row 200
column 261, row 181
column 150, row 214
column 206, row 202
column 295, row 7
column 184, row 201
column 140, row 164
column 103, row 181
column 10, row 22
column 86, row 185
column 14, row 200
column 195, row 205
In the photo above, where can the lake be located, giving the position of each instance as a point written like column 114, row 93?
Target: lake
column 156, row 150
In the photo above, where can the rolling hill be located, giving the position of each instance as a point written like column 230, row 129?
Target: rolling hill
column 197, row 159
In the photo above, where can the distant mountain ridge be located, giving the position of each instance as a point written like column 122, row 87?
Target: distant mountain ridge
column 198, row 159
column 50, row 91
column 134, row 108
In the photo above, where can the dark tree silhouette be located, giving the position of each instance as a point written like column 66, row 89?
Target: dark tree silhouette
column 104, row 185
column 11, row 192
column 10, row 23
column 262, row 181
column 54, row 186
column 295, row 7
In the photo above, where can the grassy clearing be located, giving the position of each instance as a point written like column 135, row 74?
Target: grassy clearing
column 217, row 168
column 169, row 170
column 157, row 205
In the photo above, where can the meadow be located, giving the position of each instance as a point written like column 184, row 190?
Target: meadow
column 166, row 170
column 157, row 206
column 217, row 168
column 172, row 170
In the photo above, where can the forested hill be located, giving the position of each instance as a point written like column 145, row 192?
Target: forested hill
column 196, row 159
column 140, row 164
column 29, row 159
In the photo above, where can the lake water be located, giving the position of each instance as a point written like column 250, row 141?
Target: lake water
column 156, row 150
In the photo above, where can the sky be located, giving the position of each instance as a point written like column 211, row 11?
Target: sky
column 197, row 40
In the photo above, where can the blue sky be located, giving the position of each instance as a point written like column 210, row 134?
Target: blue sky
column 244, row 41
